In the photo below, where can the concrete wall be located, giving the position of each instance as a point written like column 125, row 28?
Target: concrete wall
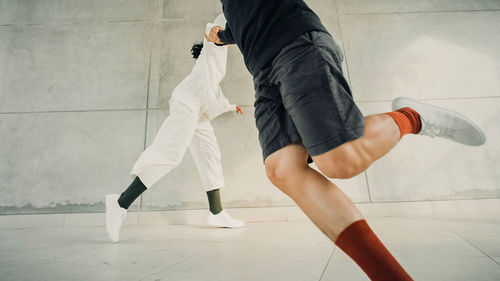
column 85, row 84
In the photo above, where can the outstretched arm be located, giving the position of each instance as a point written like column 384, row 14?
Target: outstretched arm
column 227, row 105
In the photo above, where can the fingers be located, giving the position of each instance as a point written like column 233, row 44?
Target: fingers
column 213, row 36
column 239, row 110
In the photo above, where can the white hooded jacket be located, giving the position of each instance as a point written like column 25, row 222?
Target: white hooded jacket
column 200, row 89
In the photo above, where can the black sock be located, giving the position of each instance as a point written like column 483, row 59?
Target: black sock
column 214, row 201
column 135, row 189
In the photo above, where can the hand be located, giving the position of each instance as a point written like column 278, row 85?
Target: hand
column 213, row 36
column 239, row 110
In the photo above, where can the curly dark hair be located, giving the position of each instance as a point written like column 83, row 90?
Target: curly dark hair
column 196, row 49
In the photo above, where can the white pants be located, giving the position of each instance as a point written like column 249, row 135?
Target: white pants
column 181, row 129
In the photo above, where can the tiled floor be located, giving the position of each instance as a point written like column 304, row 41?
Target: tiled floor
column 458, row 247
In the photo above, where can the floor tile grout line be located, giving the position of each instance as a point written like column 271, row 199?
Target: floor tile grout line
column 368, row 187
column 435, row 99
column 327, row 263
column 73, row 111
column 215, row 244
column 144, row 148
column 467, row 241
column 95, row 110
column 74, row 22
column 350, row 83
column 257, row 207
column 343, row 44
column 151, row 46
column 147, row 103
column 151, row 50
column 124, row 20
column 175, row 239
column 418, row 12
column 156, row 53
column 92, row 265
column 429, row 200
column 243, row 105
column 6, row 64
column 248, row 139
column 181, row 261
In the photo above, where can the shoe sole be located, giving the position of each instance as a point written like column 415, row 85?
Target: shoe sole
column 417, row 104
column 220, row 226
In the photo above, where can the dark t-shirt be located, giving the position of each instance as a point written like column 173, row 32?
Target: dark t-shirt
column 261, row 28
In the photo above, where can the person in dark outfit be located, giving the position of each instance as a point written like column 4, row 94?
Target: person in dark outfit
column 304, row 107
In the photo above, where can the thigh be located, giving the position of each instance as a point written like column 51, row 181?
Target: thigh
column 180, row 124
column 276, row 128
column 175, row 133
column 287, row 158
column 169, row 145
column 206, row 155
column 203, row 145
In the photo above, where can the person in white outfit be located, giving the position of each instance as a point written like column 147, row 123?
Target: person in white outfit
column 195, row 101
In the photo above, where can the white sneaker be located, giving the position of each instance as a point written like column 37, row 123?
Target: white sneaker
column 443, row 123
column 223, row 219
column 114, row 216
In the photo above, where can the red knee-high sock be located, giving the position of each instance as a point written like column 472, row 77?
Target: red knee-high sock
column 407, row 119
column 362, row 245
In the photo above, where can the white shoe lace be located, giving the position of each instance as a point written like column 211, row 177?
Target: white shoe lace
column 433, row 130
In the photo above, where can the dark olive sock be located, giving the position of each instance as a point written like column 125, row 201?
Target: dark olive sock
column 135, row 189
column 214, row 201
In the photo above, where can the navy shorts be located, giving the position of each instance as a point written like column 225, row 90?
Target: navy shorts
column 301, row 95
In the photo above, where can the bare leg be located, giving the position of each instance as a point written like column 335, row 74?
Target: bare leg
column 329, row 208
column 353, row 157
column 332, row 211
column 323, row 202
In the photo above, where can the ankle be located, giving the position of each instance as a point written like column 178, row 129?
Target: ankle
column 407, row 120
column 216, row 212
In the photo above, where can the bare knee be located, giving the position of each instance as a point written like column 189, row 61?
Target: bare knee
column 285, row 168
column 283, row 177
column 276, row 176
